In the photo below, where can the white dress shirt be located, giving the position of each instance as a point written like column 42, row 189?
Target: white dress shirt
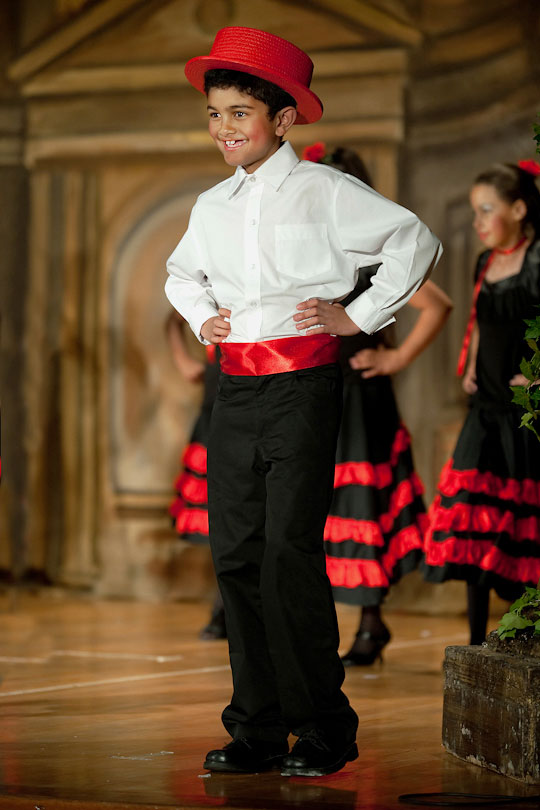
column 259, row 244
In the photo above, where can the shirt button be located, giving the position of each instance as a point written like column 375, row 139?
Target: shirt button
column 253, row 222
column 253, row 304
column 253, row 266
column 252, row 179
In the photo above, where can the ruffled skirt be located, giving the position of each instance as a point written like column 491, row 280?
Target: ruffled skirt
column 189, row 509
column 374, row 532
column 484, row 524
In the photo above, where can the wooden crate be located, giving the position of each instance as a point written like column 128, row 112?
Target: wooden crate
column 491, row 713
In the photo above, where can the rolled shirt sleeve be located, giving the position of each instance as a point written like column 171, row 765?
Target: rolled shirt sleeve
column 187, row 287
column 382, row 231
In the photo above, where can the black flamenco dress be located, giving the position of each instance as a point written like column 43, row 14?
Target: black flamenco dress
column 189, row 509
column 484, row 524
column 374, row 531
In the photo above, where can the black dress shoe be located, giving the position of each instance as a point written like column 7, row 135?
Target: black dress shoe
column 314, row 755
column 246, row 756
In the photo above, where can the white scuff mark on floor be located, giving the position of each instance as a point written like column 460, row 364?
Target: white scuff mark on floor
column 144, row 757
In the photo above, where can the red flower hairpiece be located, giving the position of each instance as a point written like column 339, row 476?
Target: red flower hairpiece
column 315, row 152
column 530, row 166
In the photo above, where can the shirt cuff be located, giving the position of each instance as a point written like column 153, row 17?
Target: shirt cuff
column 198, row 318
column 366, row 316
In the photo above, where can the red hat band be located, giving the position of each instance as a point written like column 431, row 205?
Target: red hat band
column 264, row 55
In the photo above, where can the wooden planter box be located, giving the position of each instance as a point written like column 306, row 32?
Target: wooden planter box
column 491, row 713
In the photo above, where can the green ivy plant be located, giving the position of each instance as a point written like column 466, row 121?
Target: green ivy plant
column 523, row 614
column 528, row 396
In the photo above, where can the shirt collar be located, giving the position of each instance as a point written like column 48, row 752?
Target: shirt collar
column 274, row 171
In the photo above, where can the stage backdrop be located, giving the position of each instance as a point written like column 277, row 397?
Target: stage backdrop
column 103, row 150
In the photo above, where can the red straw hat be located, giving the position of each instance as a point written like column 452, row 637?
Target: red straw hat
column 266, row 56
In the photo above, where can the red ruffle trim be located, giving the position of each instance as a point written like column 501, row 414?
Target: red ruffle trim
column 194, row 458
column 484, row 555
column 345, row 573
column 371, row 532
column 364, row 473
column 472, row 480
column 367, row 532
column 463, row 517
column 176, row 507
column 192, row 521
column 191, row 488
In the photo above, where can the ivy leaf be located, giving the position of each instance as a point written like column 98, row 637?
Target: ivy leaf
column 526, row 369
column 521, row 396
column 520, row 623
column 535, row 396
column 518, row 604
column 533, row 330
column 513, row 621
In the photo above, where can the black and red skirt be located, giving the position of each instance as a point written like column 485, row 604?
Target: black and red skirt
column 189, row 509
column 374, row 531
column 484, row 524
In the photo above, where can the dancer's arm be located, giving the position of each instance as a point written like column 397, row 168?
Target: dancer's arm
column 190, row 368
column 469, row 378
column 434, row 307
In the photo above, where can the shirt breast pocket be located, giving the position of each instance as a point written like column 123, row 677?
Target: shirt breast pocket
column 303, row 251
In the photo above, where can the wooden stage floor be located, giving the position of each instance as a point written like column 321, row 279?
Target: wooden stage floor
column 113, row 705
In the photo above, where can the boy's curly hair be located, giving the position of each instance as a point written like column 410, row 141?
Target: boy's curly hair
column 270, row 94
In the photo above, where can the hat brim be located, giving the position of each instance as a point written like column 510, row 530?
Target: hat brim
column 308, row 105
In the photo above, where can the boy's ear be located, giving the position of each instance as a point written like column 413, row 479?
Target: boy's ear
column 285, row 119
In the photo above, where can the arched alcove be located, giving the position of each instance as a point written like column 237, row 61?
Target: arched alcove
column 151, row 407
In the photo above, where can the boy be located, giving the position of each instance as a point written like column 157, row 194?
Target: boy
column 266, row 255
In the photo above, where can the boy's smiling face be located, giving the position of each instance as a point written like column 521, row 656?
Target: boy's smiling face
column 241, row 128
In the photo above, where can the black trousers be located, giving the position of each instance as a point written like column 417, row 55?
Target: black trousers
column 271, row 458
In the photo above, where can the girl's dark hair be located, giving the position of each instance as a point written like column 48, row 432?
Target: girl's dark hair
column 270, row 94
column 513, row 183
column 347, row 160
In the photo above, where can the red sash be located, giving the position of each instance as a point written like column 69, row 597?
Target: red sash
column 278, row 356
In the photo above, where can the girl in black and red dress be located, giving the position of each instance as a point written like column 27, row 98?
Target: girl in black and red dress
column 189, row 509
column 484, row 525
column 374, row 531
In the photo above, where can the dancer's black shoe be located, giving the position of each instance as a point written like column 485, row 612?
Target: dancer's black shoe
column 367, row 648
column 314, row 755
column 215, row 629
column 245, row 755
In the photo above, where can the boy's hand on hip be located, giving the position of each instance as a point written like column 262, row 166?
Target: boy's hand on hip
column 319, row 317
column 216, row 329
